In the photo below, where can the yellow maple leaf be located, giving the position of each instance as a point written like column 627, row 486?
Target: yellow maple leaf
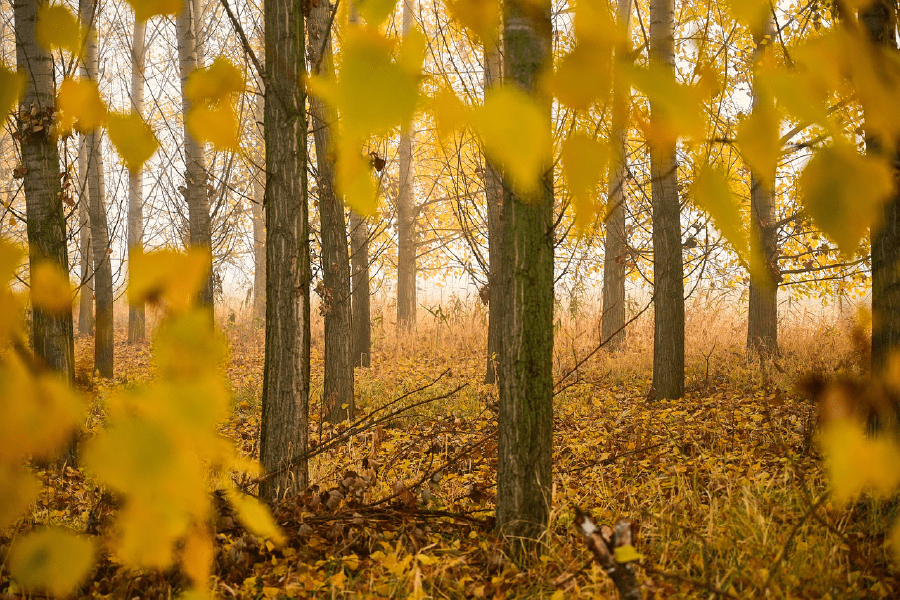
column 133, row 138
column 80, row 106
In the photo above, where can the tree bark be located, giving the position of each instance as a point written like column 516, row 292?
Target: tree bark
column 526, row 291
column 762, row 310
column 136, row 316
column 880, row 20
column 195, row 178
column 668, row 265
column 86, row 265
column 359, row 292
column 613, row 315
column 337, row 395
column 406, row 214
column 103, row 289
column 52, row 334
column 493, row 197
column 259, row 234
column 285, row 397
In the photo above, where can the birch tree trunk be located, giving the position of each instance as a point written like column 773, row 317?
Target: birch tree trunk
column 525, row 287
column 762, row 309
column 86, row 265
column 337, row 394
column 136, row 317
column 52, row 334
column 493, row 197
column 406, row 213
column 668, row 265
column 613, row 316
column 103, row 292
column 285, row 396
column 196, row 178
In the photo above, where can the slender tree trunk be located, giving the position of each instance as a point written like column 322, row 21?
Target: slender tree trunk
column 668, row 265
column 762, row 311
column 337, row 395
column 526, row 292
column 359, row 291
column 52, row 335
column 285, row 398
column 86, row 266
column 103, row 290
column 136, row 317
column 493, row 197
column 880, row 20
column 195, row 177
column 406, row 213
column 257, row 208
column 613, row 316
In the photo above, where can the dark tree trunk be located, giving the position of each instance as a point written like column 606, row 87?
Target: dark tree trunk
column 137, row 327
column 259, row 235
column 613, row 317
column 285, row 397
column 195, row 177
column 762, row 311
column 668, row 265
column 406, row 214
column 103, row 288
column 359, row 293
column 337, row 395
column 52, row 334
column 880, row 20
column 493, row 197
column 525, row 288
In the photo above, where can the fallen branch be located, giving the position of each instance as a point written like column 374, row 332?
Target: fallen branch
column 613, row 548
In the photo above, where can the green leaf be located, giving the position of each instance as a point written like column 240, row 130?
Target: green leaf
column 51, row 559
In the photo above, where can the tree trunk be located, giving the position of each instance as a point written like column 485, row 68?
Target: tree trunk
column 285, row 396
column 526, row 291
column 762, row 311
column 195, row 177
column 493, row 197
column 880, row 21
column 406, row 214
column 136, row 316
column 359, row 292
column 86, row 266
column 668, row 265
column 103, row 289
column 259, row 234
column 52, row 335
column 613, row 315
column 337, row 395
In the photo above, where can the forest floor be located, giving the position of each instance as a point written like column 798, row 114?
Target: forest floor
column 727, row 484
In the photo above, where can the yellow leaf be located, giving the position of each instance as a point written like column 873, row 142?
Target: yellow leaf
column 50, row 288
column 583, row 76
column 217, row 125
column 351, row 562
column 595, row 23
column 515, row 132
column 255, row 516
column 895, row 541
column 133, row 139
column 147, row 532
column 375, row 11
column 798, row 96
column 187, row 348
column 758, row 137
column 713, row 194
column 481, row 16
column 857, row 463
column 131, row 455
column 167, row 275
column 353, row 180
column 585, row 160
column 10, row 259
column 753, row 12
column 197, row 556
column 12, row 85
column 144, row 9
column 449, row 111
column 57, row 27
column 676, row 108
column 215, row 83
column 626, row 553
column 843, row 191
column 80, row 106
column 18, row 488
column 51, row 559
